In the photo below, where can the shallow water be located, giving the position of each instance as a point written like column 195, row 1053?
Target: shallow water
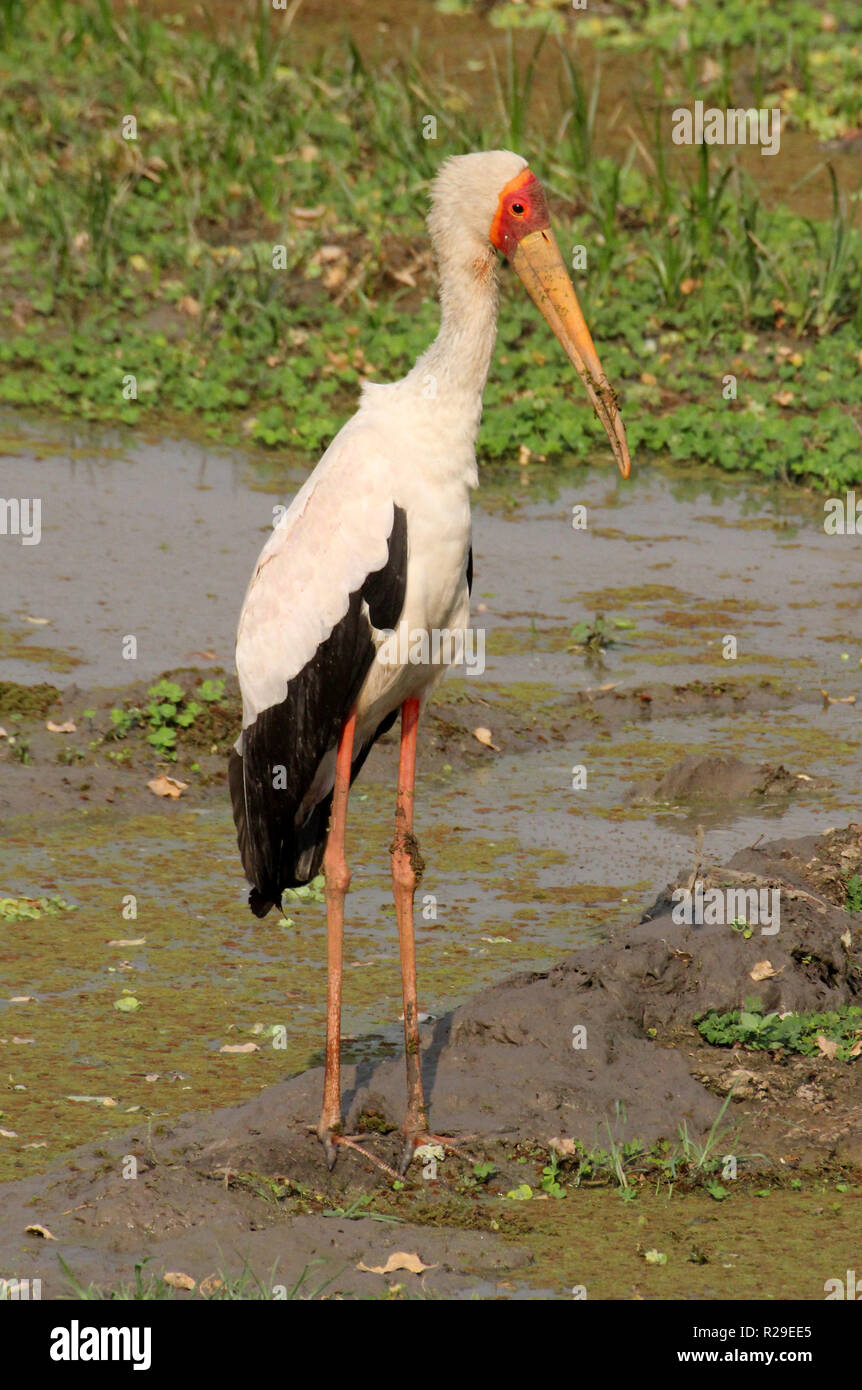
column 158, row 539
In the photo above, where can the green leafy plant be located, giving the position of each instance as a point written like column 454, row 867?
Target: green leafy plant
column 167, row 711
column 313, row 892
column 551, row 1178
column 792, row 1032
column 853, row 893
column 596, row 636
column 31, row 909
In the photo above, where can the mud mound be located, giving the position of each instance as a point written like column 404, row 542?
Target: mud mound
column 602, row 1044
column 824, row 864
column 718, row 778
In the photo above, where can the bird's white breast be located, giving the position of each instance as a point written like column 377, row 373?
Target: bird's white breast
column 432, row 479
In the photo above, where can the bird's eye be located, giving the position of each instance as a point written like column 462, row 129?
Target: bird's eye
column 518, row 209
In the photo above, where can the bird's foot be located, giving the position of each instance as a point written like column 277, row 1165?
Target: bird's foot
column 330, row 1138
column 333, row 1139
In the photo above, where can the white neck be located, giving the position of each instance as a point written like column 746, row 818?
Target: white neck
column 454, row 369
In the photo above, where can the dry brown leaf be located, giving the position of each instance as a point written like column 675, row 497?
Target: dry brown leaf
column 404, row 277
column 828, row 1047
column 190, row 306
column 564, row 1147
column 762, row 970
column 180, row 1281
column 334, row 277
column 167, row 786
column 39, row 1231
column 67, row 728
column 856, row 1049
column 240, row 1047
column 483, row 736
column 399, row 1260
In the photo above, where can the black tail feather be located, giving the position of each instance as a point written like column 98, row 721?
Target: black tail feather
column 301, row 861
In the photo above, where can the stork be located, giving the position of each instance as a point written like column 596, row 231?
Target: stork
column 379, row 537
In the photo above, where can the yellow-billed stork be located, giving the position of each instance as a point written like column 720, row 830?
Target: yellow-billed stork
column 379, row 537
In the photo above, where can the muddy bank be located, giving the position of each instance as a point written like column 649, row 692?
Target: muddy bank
column 245, row 1187
column 60, row 748
column 703, row 781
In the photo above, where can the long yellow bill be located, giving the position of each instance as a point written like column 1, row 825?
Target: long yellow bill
column 540, row 266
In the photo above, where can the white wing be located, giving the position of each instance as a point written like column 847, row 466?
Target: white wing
column 330, row 539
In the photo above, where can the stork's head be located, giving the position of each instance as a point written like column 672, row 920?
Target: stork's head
column 495, row 200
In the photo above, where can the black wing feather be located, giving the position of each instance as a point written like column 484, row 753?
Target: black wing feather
column 280, row 845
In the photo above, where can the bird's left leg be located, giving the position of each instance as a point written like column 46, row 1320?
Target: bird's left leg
column 337, row 876
column 407, row 868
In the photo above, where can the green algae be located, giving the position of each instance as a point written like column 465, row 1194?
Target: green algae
column 27, row 700
column 643, row 595
column 19, row 647
column 785, row 1245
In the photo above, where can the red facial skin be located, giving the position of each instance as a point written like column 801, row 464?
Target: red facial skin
column 509, row 226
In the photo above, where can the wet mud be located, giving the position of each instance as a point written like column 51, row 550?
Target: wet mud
column 245, row 1188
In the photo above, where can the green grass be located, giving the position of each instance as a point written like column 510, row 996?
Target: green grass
column 138, row 282
column 222, row 1287
column 808, row 54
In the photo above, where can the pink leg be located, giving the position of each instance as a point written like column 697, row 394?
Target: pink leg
column 337, row 883
column 407, row 867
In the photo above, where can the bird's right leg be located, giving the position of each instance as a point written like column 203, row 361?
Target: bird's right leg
column 337, row 876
